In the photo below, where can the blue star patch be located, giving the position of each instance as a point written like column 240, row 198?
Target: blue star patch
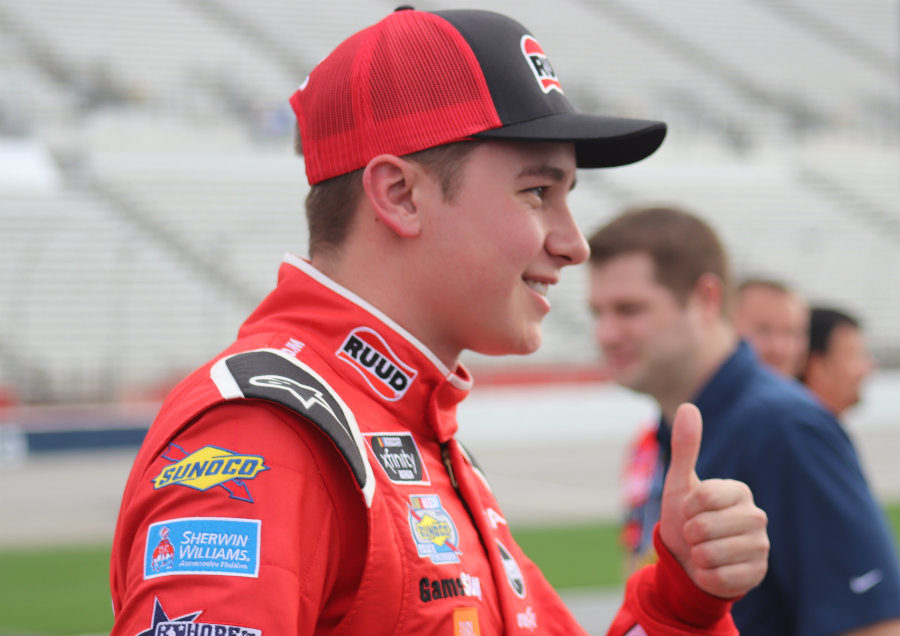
column 185, row 625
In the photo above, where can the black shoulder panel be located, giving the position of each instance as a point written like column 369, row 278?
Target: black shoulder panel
column 267, row 374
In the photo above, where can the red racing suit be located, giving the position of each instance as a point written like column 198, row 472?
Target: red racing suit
column 307, row 481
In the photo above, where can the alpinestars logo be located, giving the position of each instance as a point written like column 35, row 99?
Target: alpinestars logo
column 367, row 352
column 306, row 395
column 540, row 65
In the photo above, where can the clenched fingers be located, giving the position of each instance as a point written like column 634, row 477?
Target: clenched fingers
column 726, row 535
column 716, row 494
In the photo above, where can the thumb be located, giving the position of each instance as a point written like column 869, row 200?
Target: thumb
column 687, row 430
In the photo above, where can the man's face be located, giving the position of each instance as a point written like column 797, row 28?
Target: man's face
column 647, row 336
column 776, row 324
column 492, row 252
column 843, row 368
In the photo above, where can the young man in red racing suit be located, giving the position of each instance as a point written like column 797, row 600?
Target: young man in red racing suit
column 307, row 480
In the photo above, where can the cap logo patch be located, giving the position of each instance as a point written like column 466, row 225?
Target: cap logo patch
column 540, row 65
column 367, row 352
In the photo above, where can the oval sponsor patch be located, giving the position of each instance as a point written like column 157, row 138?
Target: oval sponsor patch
column 513, row 572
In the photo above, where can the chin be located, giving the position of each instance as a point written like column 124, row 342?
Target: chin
column 510, row 344
column 528, row 343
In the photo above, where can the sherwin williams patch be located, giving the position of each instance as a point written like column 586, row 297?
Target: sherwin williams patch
column 203, row 545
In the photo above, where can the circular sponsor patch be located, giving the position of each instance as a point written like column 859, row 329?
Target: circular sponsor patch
column 513, row 573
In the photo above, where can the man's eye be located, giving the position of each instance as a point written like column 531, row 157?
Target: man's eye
column 538, row 190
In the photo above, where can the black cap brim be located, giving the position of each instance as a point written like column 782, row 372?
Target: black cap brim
column 600, row 142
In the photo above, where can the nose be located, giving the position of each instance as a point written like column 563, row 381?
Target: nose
column 565, row 240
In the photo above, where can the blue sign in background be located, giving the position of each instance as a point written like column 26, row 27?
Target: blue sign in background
column 203, row 545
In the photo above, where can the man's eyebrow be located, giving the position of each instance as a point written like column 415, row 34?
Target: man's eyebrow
column 544, row 170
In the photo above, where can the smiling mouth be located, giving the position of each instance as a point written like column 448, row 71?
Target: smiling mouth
column 540, row 288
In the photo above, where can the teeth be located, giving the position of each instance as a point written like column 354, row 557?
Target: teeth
column 540, row 288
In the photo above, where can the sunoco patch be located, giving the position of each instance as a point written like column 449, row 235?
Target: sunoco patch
column 433, row 530
column 399, row 456
column 203, row 545
column 210, row 467
column 185, row 625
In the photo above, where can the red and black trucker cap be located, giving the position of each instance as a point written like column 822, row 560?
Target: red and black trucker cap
column 416, row 80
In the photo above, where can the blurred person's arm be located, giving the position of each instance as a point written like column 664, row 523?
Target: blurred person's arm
column 884, row 628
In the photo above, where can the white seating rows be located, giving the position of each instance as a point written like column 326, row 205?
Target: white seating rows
column 96, row 303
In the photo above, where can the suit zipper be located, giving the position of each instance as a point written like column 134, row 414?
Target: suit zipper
column 445, row 457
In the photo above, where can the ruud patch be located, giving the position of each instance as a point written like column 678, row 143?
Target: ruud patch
column 433, row 530
column 162, row 625
column 367, row 352
column 203, row 545
column 210, row 467
column 540, row 65
column 399, row 457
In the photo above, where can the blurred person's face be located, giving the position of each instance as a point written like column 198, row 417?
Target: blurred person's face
column 837, row 375
column 647, row 336
column 776, row 325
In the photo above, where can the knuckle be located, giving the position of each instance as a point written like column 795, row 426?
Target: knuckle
column 719, row 579
column 696, row 529
column 705, row 495
column 703, row 556
column 765, row 546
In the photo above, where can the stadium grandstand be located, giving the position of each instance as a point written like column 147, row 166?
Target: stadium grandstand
column 148, row 188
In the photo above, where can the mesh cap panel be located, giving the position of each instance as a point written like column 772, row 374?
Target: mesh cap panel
column 408, row 83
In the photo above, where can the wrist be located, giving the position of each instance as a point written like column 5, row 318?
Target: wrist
column 680, row 596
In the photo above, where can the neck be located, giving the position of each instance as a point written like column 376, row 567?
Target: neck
column 352, row 268
column 713, row 348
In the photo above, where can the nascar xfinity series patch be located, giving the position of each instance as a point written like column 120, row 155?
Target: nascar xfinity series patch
column 399, row 456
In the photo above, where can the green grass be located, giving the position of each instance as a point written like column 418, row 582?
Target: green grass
column 65, row 591
column 575, row 556
column 55, row 591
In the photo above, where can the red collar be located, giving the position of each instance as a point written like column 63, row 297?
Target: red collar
column 364, row 346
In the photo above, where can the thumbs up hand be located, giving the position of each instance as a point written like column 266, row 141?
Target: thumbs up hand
column 712, row 527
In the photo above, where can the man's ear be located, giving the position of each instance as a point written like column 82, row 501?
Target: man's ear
column 389, row 182
column 709, row 290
